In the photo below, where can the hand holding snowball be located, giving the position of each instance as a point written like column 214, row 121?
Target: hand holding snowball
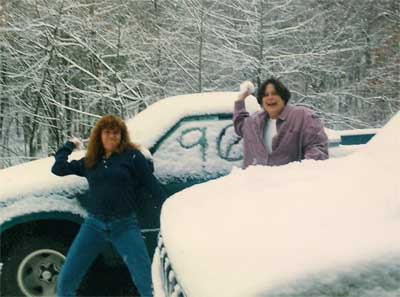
column 76, row 141
column 246, row 89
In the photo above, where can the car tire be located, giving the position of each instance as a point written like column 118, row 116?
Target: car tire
column 17, row 263
column 31, row 266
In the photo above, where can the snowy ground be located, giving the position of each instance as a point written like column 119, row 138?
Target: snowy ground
column 310, row 229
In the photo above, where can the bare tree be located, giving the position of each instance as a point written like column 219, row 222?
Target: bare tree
column 64, row 63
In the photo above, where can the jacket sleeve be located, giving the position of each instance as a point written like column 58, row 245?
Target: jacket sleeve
column 315, row 140
column 240, row 116
column 146, row 177
column 62, row 167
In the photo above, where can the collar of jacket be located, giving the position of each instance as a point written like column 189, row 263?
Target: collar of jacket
column 114, row 153
column 262, row 116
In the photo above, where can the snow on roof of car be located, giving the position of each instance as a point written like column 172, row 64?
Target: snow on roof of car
column 153, row 122
column 263, row 227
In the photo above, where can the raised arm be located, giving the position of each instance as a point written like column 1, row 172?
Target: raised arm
column 240, row 113
column 62, row 167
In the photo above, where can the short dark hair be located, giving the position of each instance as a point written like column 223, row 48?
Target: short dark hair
column 280, row 88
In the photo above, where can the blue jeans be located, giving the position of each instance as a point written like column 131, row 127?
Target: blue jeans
column 124, row 234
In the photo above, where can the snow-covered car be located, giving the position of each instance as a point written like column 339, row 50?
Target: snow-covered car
column 307, row 229
column 191, row 139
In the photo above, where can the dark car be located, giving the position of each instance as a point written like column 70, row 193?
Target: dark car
column 191, row 140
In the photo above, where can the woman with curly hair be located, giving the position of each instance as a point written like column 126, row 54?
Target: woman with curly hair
column 113, row 166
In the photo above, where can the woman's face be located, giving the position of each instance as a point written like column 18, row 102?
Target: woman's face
column 273, row 103
column 110, row 139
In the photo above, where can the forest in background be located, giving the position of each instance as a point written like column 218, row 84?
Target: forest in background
column 65, row 63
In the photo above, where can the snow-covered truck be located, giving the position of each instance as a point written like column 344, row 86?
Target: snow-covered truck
column 191, row 139
column 312, row 228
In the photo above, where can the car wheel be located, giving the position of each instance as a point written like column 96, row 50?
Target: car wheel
column 31, row 266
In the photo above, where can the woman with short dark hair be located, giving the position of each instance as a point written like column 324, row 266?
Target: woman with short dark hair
column 280, row 89
column 279, row 133
column 113, row 166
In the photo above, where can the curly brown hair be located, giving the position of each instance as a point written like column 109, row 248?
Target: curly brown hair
column 95, row 147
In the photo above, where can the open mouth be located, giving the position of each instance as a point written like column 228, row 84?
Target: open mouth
column 271, row 104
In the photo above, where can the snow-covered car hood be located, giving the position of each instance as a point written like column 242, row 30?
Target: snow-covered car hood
column 31, row 187
column 36, row 177
column 258, row 229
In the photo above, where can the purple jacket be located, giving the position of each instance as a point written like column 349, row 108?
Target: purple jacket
column 300, row 135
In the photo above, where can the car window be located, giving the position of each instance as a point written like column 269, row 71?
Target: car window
column 198, row 148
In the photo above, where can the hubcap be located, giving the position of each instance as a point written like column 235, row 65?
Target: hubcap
column 37, row 274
